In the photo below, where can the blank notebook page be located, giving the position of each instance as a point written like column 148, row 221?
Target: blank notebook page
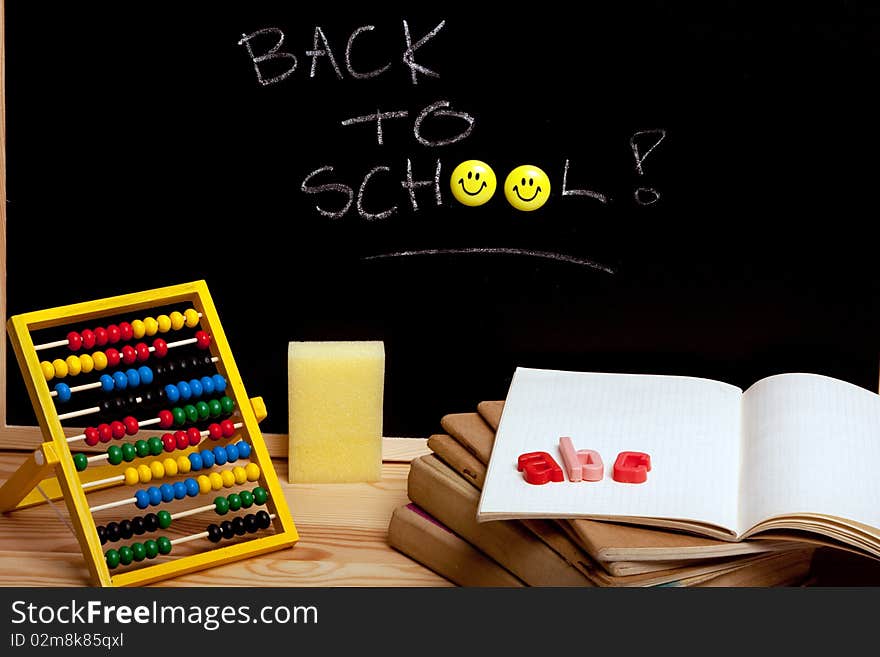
column 690, row 427
column 811, row 444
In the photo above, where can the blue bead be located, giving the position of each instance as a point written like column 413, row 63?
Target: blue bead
column 244, row 449
column 134, row 379
column 146, row 375
column 179, row 490
column 192, row 487
column 219, row 456
column 120, row 380
column 231, row 453
column 207, row 458
column 195, row 460
column 106, row 383
column 63, row 391
column 167, row 491
column 219, row 383
column 155, row 495
column 171, row 393
column 183, row 389
column 142, row 499
column 196, row 386
column 207, row 385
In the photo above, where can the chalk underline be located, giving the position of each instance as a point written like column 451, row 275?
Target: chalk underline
column 542, row 255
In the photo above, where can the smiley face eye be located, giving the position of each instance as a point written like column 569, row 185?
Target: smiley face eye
column 523, row 181
column 469, row 175
column 477, row 177
column 531, row 182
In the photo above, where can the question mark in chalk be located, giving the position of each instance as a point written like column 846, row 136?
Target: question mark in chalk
column 645, row 195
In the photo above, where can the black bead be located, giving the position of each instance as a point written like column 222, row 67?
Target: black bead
column 119, row 403
column 183, row 365
column 112, row 532
column 226, row 528
column 170, row 367
column 250, row 523
column 102, row 534
column 151, row 522
column 106, row 405
column 125, row 530
column 148, row 397
column 137, row 525
column 131, row 400
column 263, row 519
column 160, row 370
column 238, row 526
column 214, row 533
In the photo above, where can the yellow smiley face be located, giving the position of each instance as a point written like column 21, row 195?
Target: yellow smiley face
column 527, row 188
column 472, row 183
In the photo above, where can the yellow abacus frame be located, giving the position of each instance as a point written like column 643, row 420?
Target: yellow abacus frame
column 51, row 466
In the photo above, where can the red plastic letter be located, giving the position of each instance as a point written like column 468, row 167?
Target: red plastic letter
column 632, row 467
column 539, row 468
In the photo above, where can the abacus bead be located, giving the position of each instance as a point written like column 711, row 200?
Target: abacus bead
column 170, row 466
column 240, row 475
column 167, row 491
column 156, row 446
column 207, row 458
column 238, row 526
column 164, row 544
column 142, row 448
column 168, row 442
column 247, row 499
column 125, row 530
column 204, row 484
column 191, row 316
column 112, row 531
column 179, row 416
column 146, row 375
column 73, row 365
column 203, row 340
column 214, row 533
column 215, row 408
column 234, row 502
column 202, row 409
column 219, row 455
column 228, row 427
column 125, row 331
column 181, row 439
column 155, row 495
column 118, row 429
column 164, row 322
column 253, row 471
column 106, row 383
column 216, row 480
column 184, row 390
column 113, row 357
column 172, row 393
column 179, row 490
column 62, row 391
column 142, row 351
column 192, row 487
column 207, row 385
column 152, row 549
column 219, row 383
column 120, row 381
column 160, row 347
column 145, row 474
column 226, row 528
column 221, row 505
column 142, row 500
column 195, row 387
column 129, row 355
column 113, row 334
column 48, row 370
column 150, row 326
column 128, row 452
column 88, row 338
column 227, row 404
column 157, row 469
column 228, row 478
column 191, row 413
column 137, row 329
column 81, row 461
column 137, row 525
column 105, row 433
column 214, row 431
column 112, row 558
column 106, row 406
column 102, row 534
column 231, row 453
column 261, row 496
column 177, row 320
column 131, row 476
column 166, row 418
column 263, row 519
column 194, row 436
column 74, row 341
column 183, row 465
column 131, row 425
column 100, row 359
column 100, row 336
column 151, row 522
column 60, row 368
column 244, row 449
column 139, row 552
column 114, row 455
column 250, row 523
column 125, row 555
column 195, row 460
column 86, row 363
column 134, row 379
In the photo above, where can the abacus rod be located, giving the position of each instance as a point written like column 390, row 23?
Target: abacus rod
column 142, row 423
column 112, row 505
column 61, row 343
column 192, row 512
column 89, row 411
column 195, row 537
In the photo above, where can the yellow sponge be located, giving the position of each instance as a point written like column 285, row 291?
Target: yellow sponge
column 335, row 394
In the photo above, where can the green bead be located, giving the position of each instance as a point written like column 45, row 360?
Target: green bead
column 141, row 448
column 215, row 408
column 164, row 519
column 114, row 455
column 260, row 495
column 247, row 499
column 128, row 452
column 155, row 445
column 151, row 548
column 191, row 413
column 227, row 404
column 164, row 545
column 179, row 416
column 138, row 551
column 81, row 461
column 112, row 557
column 125, row 555
column 203, row 410
column 234, row 502
column 221, row 505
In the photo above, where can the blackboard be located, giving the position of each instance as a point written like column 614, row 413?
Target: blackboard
column 726, row 151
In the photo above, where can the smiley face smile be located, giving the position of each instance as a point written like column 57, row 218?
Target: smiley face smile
column 527, row 200
column 465, row 190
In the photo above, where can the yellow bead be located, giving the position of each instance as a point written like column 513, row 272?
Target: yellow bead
column 183, row 464
column 252, row 471
column 73, row 365
column 48, row 370
column 216, row 480
column 204, row 484
column 177, row 320
column 138, row 329
column 60, row 368
column 86, row 363
column 170, row 466
column 228, row 478
column 191, row 316
column 240, row 475
column 164, row 322
column 144, row 473
column 100, row 360
column 150, row 326
column 157, row 469
column 131, row 476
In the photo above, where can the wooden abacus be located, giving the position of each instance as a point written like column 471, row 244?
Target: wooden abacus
column 220, row 412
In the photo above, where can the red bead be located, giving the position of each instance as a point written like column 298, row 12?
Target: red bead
column 215, row 431
column 105, row 433
column 88, row 338
column 194, row 435
column 74, row 341
column 131, row 425
column 161, row 347
column 118, row 429
column 113, row 334
column 169, row 443
column 182, row 440
column 228, row 428
column 129, row 355
column 113, row 357
column 142, row 351
column 203, row 340
column 125, row 331
column 92, row 436
column 100, row 336
column 165, row 419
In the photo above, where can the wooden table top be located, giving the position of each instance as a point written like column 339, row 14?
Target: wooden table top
column 342, row 527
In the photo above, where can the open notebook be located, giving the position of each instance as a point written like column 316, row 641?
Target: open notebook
column 796, row 452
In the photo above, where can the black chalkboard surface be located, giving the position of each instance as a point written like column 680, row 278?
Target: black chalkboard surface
column 712, row 168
